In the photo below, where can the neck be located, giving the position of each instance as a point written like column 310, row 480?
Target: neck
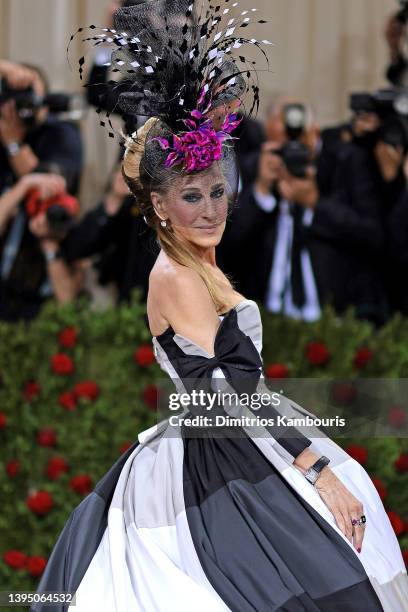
column 207, row 255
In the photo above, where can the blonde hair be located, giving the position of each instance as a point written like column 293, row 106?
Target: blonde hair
column 141, row 184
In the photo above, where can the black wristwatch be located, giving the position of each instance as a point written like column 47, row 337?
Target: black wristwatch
column 313, row 473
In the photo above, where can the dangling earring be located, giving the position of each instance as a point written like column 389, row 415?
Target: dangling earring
column 163, row 223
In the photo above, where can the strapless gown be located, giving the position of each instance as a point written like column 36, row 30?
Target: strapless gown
column 213, row 524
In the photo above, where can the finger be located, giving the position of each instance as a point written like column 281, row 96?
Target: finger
column 339, row 520
column 347, row 522
column 358, row 531
column 358, row 535
column 6, row 110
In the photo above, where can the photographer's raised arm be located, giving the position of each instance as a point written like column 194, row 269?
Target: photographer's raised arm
column 22, row 158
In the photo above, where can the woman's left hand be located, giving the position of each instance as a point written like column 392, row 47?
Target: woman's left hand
column 342, row 504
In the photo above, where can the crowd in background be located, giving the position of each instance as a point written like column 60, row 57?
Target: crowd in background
column 321, row 215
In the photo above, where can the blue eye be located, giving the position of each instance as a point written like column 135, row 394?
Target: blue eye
column 219, row 193
column 192, row 198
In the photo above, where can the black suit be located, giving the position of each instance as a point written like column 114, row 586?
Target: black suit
column 397, row 226
column 345, row 241
column 351, row 222
column 248, row 247
column 246, row 250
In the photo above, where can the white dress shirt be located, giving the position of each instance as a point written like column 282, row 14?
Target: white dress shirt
column 279, row 293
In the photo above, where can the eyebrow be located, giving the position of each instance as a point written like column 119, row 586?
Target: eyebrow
column 194, row 188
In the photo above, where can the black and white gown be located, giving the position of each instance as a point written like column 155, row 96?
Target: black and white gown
column 223, row 523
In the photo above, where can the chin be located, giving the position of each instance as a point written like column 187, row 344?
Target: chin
column 207, row 242
column 205, row 238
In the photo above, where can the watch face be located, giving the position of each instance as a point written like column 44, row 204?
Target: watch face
column 312, row 475
column 13, row 148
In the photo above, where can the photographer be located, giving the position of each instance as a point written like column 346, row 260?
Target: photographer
column 31, row 138
column 31, row 227
column 266, row 248
column 124, row 245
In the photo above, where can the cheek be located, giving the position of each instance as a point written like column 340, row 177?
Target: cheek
column 184, row 214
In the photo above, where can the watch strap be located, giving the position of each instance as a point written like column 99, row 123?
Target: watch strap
column 313, row 473
column 52, row 255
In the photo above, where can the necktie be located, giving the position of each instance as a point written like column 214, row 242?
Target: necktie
column 298, row 243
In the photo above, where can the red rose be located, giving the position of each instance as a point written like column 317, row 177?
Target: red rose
column 40, row 503
column 401, row 464
column 55, row 467
column 123, row 448
column 317, row 353
column 36, row 565
column 151, row 396
column 86, row 389
column 62, row 364
column 397, row 416
column 15, row 559
column 405, row 556
column 3, row 420
column 81, row 484
column 277, row 370
column 31, row 390
column 396, row 522
column 68, row 400
column 343, row 393
column 47, row 437
column 144, row 356
column 68, row 337
column 362, row 356
column 12, row 467
column 359, row 453
column 382, row 491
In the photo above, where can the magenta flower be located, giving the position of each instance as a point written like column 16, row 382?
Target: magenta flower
column 199, row 147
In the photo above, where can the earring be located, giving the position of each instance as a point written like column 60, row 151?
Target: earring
column 163, row 223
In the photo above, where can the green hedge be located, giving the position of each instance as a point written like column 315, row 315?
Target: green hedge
column 77, row 386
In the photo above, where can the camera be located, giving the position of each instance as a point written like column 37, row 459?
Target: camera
column 295, row 120
column 391, row 106
column 296, row 157
column 294, row 154
column 65, row 106
column 60, row 210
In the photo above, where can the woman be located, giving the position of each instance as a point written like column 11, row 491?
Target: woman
column 196, row 515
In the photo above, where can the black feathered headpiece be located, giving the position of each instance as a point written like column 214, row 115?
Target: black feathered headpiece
column 179, row 58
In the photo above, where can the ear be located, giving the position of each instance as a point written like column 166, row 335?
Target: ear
column 158, row 205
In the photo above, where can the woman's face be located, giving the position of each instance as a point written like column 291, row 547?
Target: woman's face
column 196, row 206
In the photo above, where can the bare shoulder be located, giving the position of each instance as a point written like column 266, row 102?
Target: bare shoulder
column 178, row 297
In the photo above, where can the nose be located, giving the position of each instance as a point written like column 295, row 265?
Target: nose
column 209, row 212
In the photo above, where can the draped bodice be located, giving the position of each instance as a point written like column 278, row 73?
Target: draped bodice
column 237, row 348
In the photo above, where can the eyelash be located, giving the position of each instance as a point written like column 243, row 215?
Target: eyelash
column 192, row 199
